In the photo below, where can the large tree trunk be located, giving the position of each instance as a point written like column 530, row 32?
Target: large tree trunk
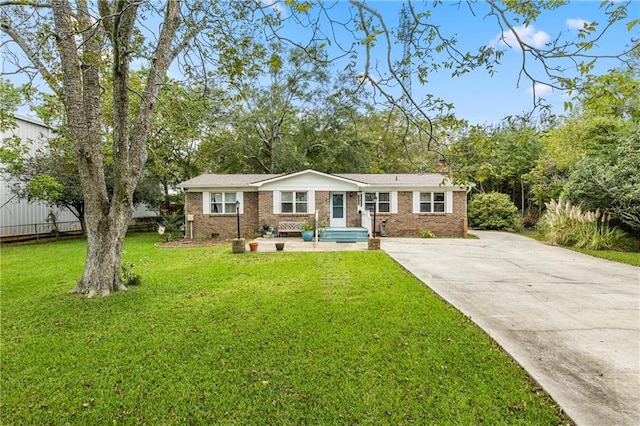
column 104, row 248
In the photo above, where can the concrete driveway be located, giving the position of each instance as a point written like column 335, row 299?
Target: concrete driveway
column 572, row 321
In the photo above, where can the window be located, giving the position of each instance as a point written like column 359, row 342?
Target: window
column 293, row 202
column 432, row 202
column 383, row 201
column 223, row 202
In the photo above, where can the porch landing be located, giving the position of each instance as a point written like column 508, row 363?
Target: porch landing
column 293, row 244
column 344, row 235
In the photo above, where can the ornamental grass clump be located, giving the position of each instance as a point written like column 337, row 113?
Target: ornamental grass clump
column 567, row 225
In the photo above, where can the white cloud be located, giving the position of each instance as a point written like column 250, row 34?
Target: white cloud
column 274, row 5
column 541, row 90
column 527, row 34
column 576, row 24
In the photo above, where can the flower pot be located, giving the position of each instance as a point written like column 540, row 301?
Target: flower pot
column 279, row 246
column 307, row 235
column 253, row 246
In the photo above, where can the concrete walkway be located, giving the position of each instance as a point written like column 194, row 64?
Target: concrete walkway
column 297, row 244
column 572, row 321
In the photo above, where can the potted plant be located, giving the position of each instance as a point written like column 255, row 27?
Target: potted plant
column 306, row 229
column 322, row 227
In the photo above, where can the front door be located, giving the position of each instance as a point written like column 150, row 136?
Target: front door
column 338, row 217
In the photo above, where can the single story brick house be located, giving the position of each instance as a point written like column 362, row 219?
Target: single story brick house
column 404, row 204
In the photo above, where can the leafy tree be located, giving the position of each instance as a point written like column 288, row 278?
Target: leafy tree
column 610, row 183
column 185, row 117
column 498, row 158
column 591, row 157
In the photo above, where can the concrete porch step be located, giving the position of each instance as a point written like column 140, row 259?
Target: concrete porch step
column 343, row 235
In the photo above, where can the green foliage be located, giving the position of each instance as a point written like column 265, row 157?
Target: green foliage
column 45, row 188
column 128, row 275
column 278, row 338
column 305, row 225
column 426, row 234
column 499, row 158
column 173, row 226
column 567, row 225
column 10, row 98
column 492, row 210
column 610, row 181
column 630, row 258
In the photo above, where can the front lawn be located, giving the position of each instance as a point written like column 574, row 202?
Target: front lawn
column 258, row 338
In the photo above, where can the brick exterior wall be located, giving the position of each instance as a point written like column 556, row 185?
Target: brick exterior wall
column 258, row 211
column 408, row 224
column 222, row 225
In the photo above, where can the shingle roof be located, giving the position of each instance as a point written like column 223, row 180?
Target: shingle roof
column 389, row 179
column 398, row 179
column 208, row 180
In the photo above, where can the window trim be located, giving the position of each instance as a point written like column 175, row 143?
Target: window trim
column 388, row 202
column 294, row 202
column 446, row 203
column 207, row 202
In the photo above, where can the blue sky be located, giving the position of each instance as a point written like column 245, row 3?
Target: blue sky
column 481, row 98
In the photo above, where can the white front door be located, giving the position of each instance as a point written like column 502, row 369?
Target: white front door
column 338, row 208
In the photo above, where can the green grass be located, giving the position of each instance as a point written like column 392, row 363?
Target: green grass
column 616, row 256
column 259, row 338
column 630, row 258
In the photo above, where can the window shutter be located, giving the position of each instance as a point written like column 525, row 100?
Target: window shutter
column 416, row 201
column 276, row 202
column 206, row 202
column 394, row 202
column 240, row 197
column 448, row 202
column 311, row 202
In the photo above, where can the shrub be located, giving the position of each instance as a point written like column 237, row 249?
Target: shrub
column 493, row 210
column 174, row 226
column 426, row 234
column 567, row 225
column 128, row 276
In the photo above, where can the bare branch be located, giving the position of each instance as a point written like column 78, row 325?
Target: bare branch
column 33, row 56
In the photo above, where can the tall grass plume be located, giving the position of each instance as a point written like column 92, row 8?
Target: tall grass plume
column 567, row 225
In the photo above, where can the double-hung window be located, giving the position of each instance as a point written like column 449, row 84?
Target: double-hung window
column 432, row 202
column 294, row 201
column 382, row 201
column 223, row 202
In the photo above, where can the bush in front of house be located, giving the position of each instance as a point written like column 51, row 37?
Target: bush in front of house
column 493, row 210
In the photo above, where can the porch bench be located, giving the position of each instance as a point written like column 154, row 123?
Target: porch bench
column 285, row 227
